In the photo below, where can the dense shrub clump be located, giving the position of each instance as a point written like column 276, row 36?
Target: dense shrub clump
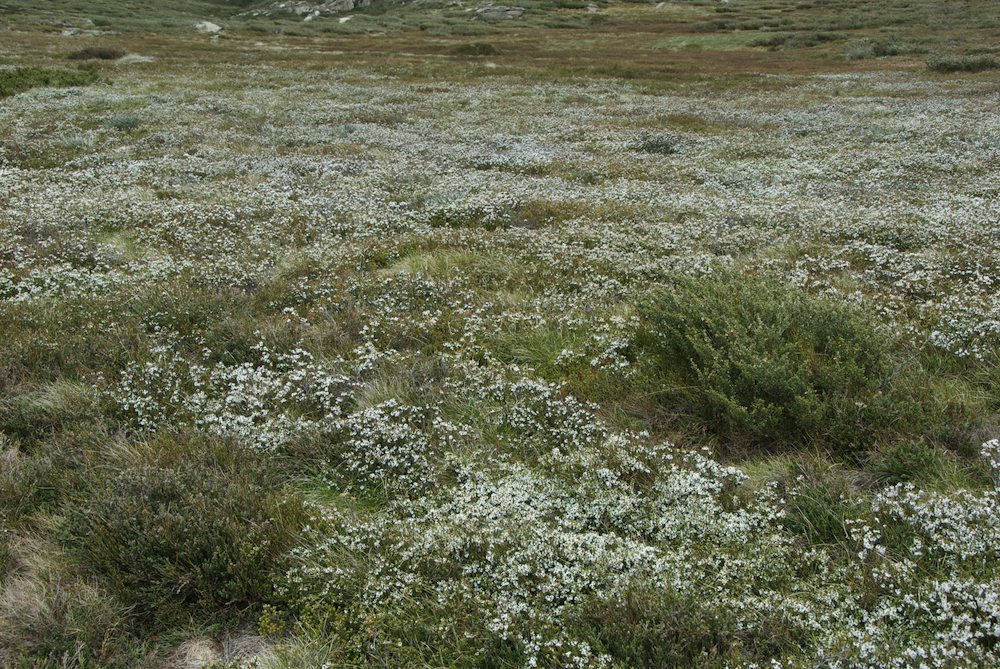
column 666, row 629
column 662, row 143
column 198, row 532
column 764, row 362
column 97, row 53
column 474, row 49
column 794, row 40
column 875, row 48
column 948, row 64
column 21, row 79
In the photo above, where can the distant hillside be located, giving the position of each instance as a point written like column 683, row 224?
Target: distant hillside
column 830, row 25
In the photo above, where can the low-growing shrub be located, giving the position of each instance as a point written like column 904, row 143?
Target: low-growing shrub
column 97, row 53
column 21, row 79
column 663, row 628
column 794, row 40
column 947, row 64
column 662, row 143
column 877, row 48
column 197, row 528
column 124, row 123
column 474, row 49
column 761, row 362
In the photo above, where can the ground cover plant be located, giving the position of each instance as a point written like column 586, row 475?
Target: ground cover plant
column 610, row 335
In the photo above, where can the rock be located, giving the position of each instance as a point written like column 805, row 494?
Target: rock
column 131, row 58
column 207, row 27
column 78, row 32
column 591, row 8
column 344, row 19
column 499, row 12
column 309, row 9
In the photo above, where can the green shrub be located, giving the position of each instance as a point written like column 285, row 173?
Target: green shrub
column 765, row 363
column 872, row 48
column 794, row 40
column 474, row 49
column 196, row 529
column 21, row 79
column 948, row 64
column 97, row 53
column 663, row 628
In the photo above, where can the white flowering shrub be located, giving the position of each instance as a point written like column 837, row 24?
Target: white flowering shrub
column 262, row 405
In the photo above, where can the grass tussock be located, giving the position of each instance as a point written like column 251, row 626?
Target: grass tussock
column 51, row 616
column 881, row 48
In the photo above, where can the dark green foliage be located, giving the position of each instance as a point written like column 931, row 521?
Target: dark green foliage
column 795, row 40
column 97, row 53
column 947, row 64
column 21, row 79
column 765, row 363
column 474, row 49
column 872, row 48
column 196, row 528
column 667, row 629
